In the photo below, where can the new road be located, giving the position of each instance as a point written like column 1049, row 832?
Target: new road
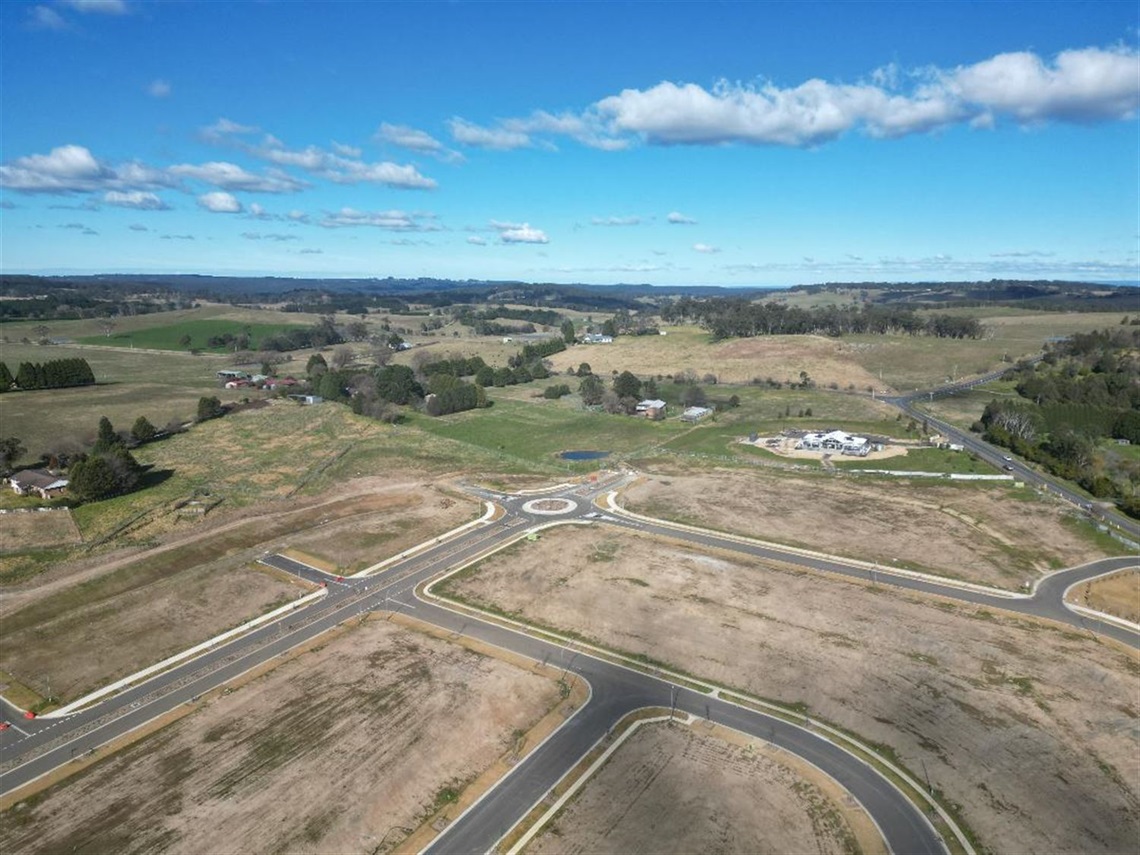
column 33, row 748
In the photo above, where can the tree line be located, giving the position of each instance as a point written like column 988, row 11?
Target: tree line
column 730, row 317
column 53, row 374
column 1084, row 390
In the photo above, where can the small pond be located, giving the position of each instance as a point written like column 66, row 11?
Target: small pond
column 583, row 455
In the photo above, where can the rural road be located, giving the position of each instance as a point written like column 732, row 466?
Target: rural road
column 44, row 744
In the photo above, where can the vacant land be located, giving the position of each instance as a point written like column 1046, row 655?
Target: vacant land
column 163, row 387
column 999, row 710
column 83, row 624
column 190, row 335
column 344, row 749
column 1118, row 594
column 674, row 789
column 992, row 534
column 736, row 361
column 21, row 530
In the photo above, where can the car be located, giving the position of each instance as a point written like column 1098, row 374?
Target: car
column 4, row 725
column 1006, row 457
column 1007, row 468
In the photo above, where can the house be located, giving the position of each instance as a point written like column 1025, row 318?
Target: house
column 231, row 374
column 695, row 414
column 652, row 408
column 38, row 481
column 597, row 338
column 835, row 440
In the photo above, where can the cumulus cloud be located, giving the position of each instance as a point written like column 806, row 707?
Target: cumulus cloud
column 518, row 232
column 139, row 199
column 219, row 202
column 705, row 248
column 298, row 216
column 616, row 221
column 230, row 176
column 679, row 219
column 498, row 139
column 415, row 140
column 396, row 221
column 158, row 89
column 475, row 240
column 340, row 165
column 74, row 169
column 1083, row 85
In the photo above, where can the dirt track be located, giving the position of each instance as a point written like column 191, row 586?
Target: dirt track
column 1033, row 730
column 342, row 750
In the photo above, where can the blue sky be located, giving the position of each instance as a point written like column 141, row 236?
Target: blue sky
column 757, row 143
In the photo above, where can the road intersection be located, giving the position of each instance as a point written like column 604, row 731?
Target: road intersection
column 42, row 745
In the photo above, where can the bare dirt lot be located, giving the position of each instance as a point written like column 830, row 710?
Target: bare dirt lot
column 1118, row 594
column 1032, row 729
column 344, row 749
column 984, row 534
column 679, row 790
column 83, row 625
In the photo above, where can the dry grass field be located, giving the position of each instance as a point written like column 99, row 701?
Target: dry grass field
column 1118, row 594
column 32, row 529
column 1032, row 729
column 682, row 790
column 991, row 534
column 344, row 749
column 84, row 623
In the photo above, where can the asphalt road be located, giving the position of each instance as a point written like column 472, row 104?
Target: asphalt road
column 44, row 744
column 1001, row 458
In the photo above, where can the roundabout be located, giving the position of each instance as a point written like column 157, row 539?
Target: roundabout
column 550, row 507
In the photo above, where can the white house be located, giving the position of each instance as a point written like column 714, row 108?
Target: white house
column 652, row 408
column 37, row 481
column 835, row 440
column 695, row 414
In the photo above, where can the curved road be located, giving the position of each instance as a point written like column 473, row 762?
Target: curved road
column 33, row 748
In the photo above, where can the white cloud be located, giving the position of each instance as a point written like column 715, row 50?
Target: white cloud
column 158, row 89
column 396, row 221
column 298, row 216
column 498, row 139
column 45, row 18
column 346, row 150
column 74, row 169
column 272, row 236
column 1081, row 85
column 223, row 129
column 415, row 140
column 101, row 7
column 616, row 221
column 139, row 199
column 679, row 219
column 519, row 232
column 475, row 240
column 338, row 168
column 219, row 202
column 230, row 176
column 705, row 248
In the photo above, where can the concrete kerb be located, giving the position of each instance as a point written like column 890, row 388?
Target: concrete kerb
column 870, row 567
column 1085, row 611
column 573, row 789
column 833, row 735
column 184, row 656
column 488, row 514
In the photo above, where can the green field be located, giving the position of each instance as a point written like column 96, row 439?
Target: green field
column 129, row 384
column 170, row 336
